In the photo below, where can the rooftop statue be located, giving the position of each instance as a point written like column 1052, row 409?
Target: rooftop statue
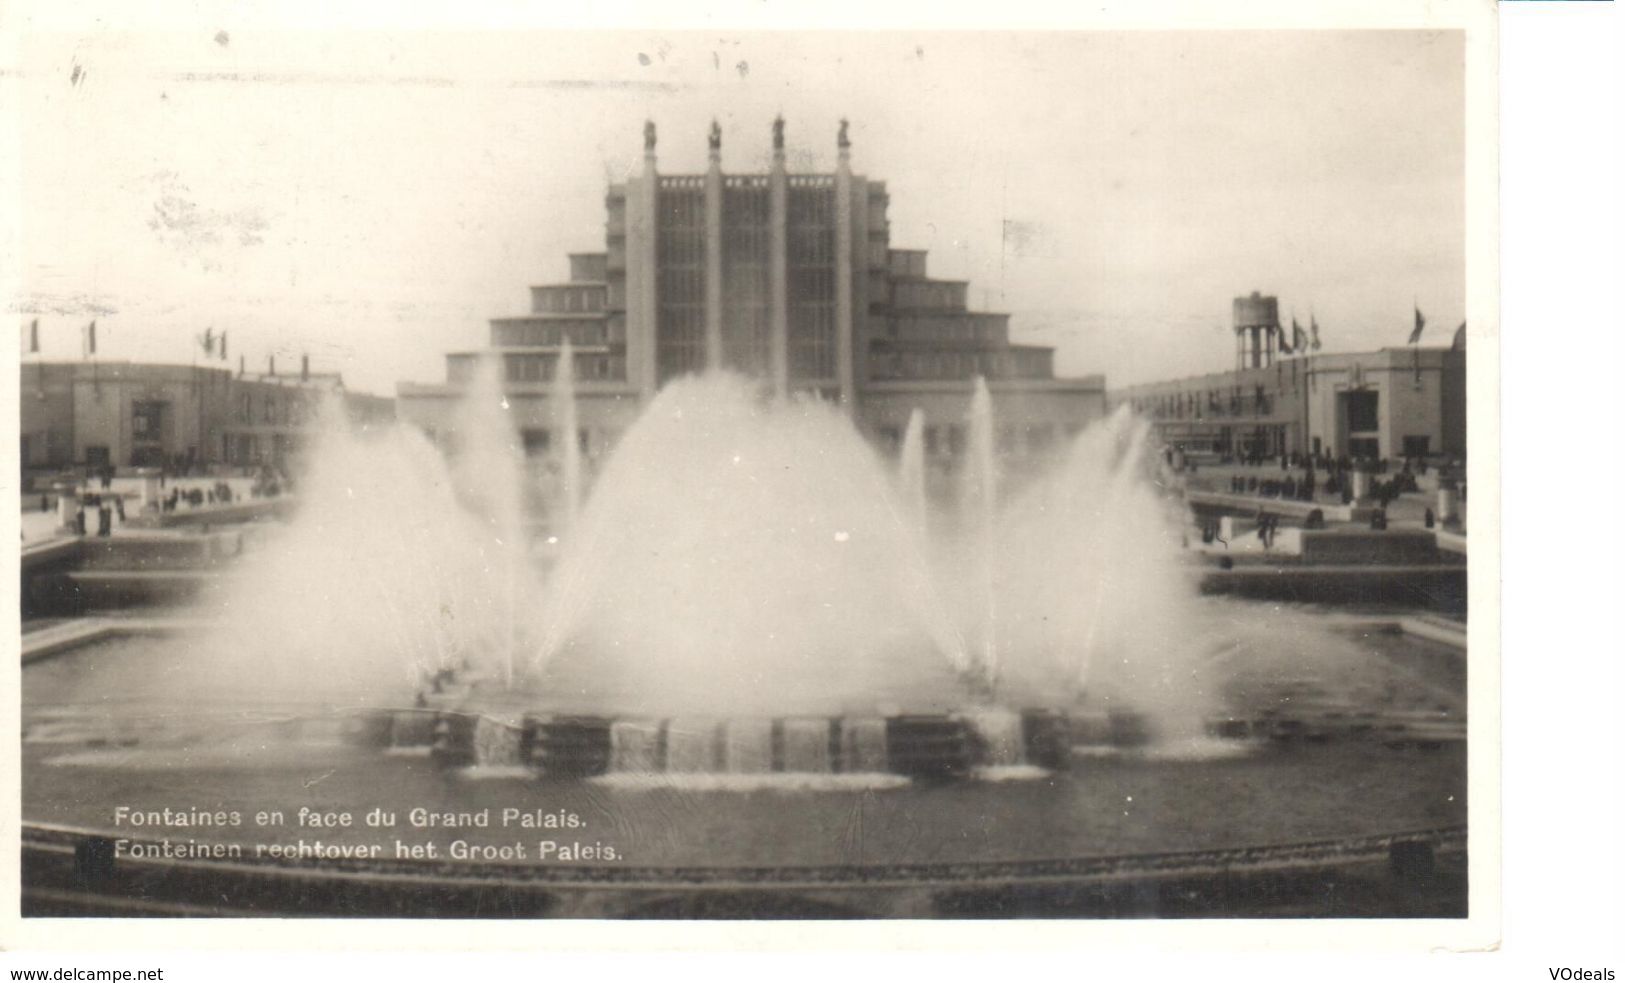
column 716, row 136
column 648, row 136
column 778, row 133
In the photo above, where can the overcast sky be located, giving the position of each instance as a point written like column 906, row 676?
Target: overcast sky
column 373, row 199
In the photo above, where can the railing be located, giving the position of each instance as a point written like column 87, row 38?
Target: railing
column 1447, row 839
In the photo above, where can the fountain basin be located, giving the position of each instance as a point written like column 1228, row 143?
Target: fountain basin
column 924, row 746
column 1303, row 792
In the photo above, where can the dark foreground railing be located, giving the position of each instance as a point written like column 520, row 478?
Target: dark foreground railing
column 68, row 872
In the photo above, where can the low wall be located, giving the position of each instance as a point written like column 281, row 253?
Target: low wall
column 68, row 871
column 257, row 508
column 98, row 590
column 51, row 553
column 1290, row 511
column 1433, row 588
column 1354, row 545
column 69, row 576
column 135, row 551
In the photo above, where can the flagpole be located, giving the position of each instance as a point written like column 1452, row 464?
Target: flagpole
column 1416, row 341
column 39, row 359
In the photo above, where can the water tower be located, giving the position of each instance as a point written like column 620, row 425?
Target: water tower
column 1258, row 325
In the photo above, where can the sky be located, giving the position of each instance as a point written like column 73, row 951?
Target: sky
column 371, row 199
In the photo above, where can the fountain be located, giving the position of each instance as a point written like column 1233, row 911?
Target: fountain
column 980, row 503
column 743, row 556
column 567, row 430
column 487, row 470
column 911, row 471
column 749, row 590
column 749, row 605
column 380, row 584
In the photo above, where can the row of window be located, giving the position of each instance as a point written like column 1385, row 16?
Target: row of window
column 953, row 439
column 810, row 255
column 566, row 299
column 1198, row 405
column 521, row 333
column 246, row 449
column 904, row 262
column 539, row 441
column 287, row 411
column 982, row 328
column 1016, row 364
column 929, row 295
column 589, row 366
column 747, row 287
column 680, row 283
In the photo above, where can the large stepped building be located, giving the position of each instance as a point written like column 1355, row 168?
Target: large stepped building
column 790, row 279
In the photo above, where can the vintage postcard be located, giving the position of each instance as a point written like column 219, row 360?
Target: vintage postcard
column 1010, row 474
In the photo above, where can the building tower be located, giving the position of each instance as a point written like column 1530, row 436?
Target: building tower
column 1258, row 328
column 783, row 277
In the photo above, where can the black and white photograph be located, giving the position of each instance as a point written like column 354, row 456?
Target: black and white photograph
column 753, row 475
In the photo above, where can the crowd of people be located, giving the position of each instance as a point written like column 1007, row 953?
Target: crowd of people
column 106, row 507
column 1306, row 483
column 99, row 503
column 1310, row 478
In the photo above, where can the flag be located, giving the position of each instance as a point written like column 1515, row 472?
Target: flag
column 206, row 341
column 1300, row 340
column 1416, row 332
column 90, row 339
column 33, row 337
column 1314, row 333
column 1286, row 346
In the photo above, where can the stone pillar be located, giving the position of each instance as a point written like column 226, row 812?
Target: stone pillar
column 844, row 261
column 778, row 315
column 713, row 255
column 67, row 503
column 1447, row 505
column 1361, row 487
column 149, row 492
column 860, row 284
column 644, row 223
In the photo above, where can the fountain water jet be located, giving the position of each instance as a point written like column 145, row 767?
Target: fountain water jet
column 567, row 430
column 747, row 557
column 1093, row 595
column 743, row 555
column 980, row 503
column 488, row 463
column 911, row 470
column 379, row 582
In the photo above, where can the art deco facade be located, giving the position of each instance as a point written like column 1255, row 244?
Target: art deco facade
column 790, row 279
column 1390, row 404
column 127, row 414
